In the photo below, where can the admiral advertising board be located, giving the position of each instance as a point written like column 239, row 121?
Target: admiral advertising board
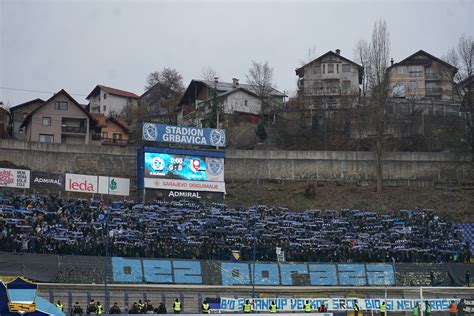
column 200, row 196
column 14, row 178
column 183, row 135
column 47, row 180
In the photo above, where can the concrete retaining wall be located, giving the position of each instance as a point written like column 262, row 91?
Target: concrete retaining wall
column 400, row 168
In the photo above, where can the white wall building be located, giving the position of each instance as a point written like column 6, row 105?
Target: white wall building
column 110, row 101
column 234, row 99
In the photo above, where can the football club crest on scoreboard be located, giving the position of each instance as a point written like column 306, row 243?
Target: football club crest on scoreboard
column 162, row 133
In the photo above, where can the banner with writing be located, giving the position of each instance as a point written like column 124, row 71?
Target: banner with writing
column 184, row 135
column 47, row 180
column 469, row 306
column 332, row 304
column 14, row 178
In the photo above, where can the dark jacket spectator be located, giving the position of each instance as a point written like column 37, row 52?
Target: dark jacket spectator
column 115, row 309
column 161, row 309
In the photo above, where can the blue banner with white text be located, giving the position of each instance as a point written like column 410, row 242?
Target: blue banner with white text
column 183, row 135
column 334, row 304
column 237, row 273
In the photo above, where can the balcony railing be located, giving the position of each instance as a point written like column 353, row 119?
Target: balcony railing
column 113, row 141
column 326, row 91
column 432, row 76
column 73, row 129
column 434, row 91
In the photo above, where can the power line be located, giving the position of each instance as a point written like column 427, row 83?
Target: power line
column 39, row 91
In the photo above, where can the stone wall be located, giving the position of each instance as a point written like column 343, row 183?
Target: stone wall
column 400, row 168
column 80, row 159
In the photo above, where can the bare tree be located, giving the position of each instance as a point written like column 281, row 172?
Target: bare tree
column 260, row 76
column 362, row 55
column 164, row 90
column 135, row 117
column 209, row 74
column 375, row 56
column 463, row 58
column 312, row 52
column 168, row 77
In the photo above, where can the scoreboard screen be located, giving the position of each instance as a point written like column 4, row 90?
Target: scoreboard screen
column 172, row 166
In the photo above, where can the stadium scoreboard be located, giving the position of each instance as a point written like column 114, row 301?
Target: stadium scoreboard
column 181, row 173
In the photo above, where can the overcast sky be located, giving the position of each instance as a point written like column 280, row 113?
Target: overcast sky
column 50, row 45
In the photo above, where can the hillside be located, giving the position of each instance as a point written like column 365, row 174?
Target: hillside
column 454, row 203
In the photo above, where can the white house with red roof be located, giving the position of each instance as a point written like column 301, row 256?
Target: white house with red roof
column 110, row 101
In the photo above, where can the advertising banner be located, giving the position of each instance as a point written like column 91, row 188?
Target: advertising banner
column 48, row 180
column 14, row 178
column 469, row 306
column 333, row 304
column 184, row 135
column 81, row 183
column 183, row 185
column 201, row 196
column 114, row 186
column 184, row 167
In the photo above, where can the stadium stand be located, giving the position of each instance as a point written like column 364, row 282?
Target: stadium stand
column 185, row 230
column 467, row 232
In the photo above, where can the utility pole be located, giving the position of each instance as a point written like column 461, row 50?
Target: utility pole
column 215, row 105
column 255, row 239
column 106, row 241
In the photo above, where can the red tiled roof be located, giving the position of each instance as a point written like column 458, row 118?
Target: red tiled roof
column 121, row 121
column 119, row 92
column 113, row 91
column 102, row 121
column 100, row 118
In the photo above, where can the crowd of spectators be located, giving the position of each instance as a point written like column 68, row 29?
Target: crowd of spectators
column 47, row 224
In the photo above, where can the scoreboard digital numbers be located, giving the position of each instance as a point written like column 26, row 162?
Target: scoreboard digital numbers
column 170, row 166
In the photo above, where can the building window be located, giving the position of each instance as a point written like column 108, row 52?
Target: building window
column 104, row 135
column 46, row 138
column 60, row 105
column 412, row 85
column 105, row 108
column 46, row 121
column 330, row 68
column 105, row 96
column 346, row 85
column 346, row 68
column 324, row 69
column 401, row 70
column 337, row 68
column 317, row 70
column 117, row 136
column 246, row 102
column 318, row 86
column 415, row 71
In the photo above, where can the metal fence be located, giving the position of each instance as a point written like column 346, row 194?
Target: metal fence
column 192, row 296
